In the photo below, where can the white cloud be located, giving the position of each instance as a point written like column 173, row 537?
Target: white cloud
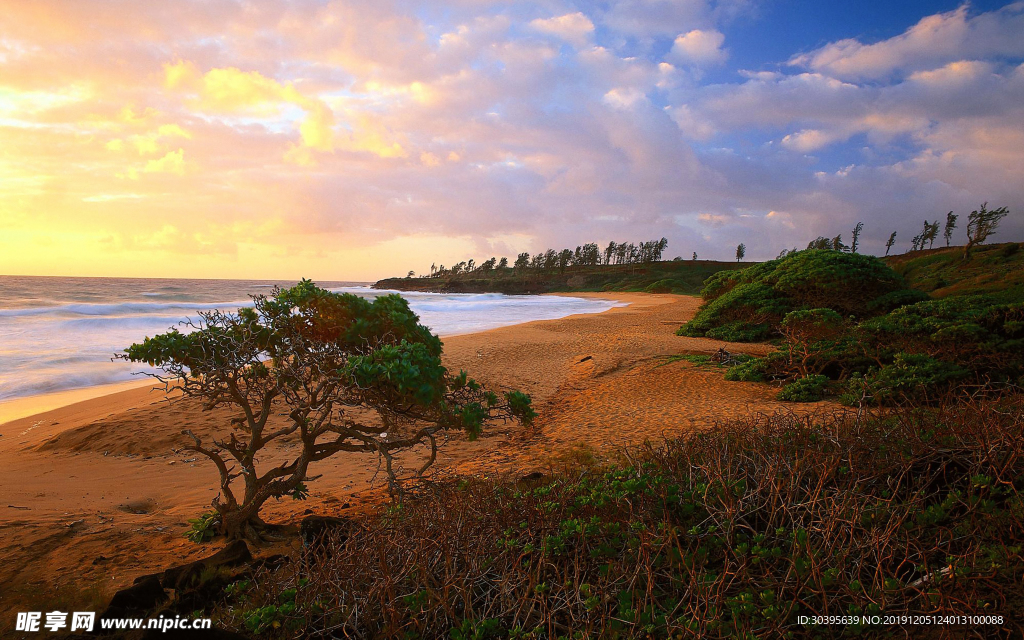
column 808, row 140
column 623, row 98
column 574, row 28
column 700, row 47
column 934, row 41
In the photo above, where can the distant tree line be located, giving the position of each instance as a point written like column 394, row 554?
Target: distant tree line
column 981, row 224
column 587, row 255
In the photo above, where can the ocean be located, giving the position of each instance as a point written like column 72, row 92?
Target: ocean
column 58, row 334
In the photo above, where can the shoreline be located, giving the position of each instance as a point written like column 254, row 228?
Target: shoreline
column 31, row 407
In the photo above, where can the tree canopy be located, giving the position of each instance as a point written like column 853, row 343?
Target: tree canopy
column 318, row 356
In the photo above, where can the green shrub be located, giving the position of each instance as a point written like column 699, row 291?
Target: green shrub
column 808, row 389
column 203, row 528
column 910, row 377
column 751, row 371
column 750, row 304
column 660, row 286
column 915, row 352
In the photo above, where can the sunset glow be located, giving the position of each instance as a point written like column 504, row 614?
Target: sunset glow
column 357, row 140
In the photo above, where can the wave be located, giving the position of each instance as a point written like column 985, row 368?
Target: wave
column 119, row 308
column 70, row 344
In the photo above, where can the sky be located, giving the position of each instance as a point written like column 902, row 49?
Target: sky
column 361, row 139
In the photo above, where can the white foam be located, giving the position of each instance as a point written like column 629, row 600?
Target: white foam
column 70, row 344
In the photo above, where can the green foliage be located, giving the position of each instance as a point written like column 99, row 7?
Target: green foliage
column 520, row 404
column 996, row 270
column 664, row 285
column 203, row 528
column 317, row 353
column 914, row 353
column 974, row 332
column 807, row 389
column 900, row 344
column 678, row 277
column 910, row 377
column 750, row 304
column 752, row 371
column 410, row 372
column 743, row 312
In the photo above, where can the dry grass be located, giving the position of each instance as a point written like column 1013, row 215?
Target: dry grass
column 735, row 532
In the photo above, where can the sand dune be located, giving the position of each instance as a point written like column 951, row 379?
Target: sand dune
column 97, row 493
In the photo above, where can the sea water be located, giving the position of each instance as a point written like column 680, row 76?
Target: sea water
column 58, row 334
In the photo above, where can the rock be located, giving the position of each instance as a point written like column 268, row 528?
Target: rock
column 134, row 602
column 532, row 477
column 158, row 576
column 315, row 529
column 233, row 555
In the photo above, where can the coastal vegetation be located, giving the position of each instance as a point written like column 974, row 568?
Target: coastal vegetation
column 851, row 326
column 733, row 532
column 905, row 503
column 587, row 255
column 667, row 276
column 319, row 357
column 620, row 266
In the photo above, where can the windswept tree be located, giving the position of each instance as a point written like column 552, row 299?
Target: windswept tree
column 821, row 242
column 503, row 263
column 610, row 252
column 694, row 255
column 741, row 251
column 928, row 234
column 522, row 262
column 856, row 237
column 659, row 249
column 981, row 224
column 321, row 359
column 890, row 243
column 947, row 230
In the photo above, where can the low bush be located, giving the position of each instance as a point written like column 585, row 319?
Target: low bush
column 914, row 353
column 661, row 286
column 750, row 304
column 807, row 389
column 734, row 532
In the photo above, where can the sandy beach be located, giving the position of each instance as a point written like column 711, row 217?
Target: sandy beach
column 97, row 493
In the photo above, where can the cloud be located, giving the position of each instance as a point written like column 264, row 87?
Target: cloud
column 360, row 138
column 699, row 47
column 934, row 41
column 574, row 28
column 807, row 140
column 172, row 162
column 231, row 90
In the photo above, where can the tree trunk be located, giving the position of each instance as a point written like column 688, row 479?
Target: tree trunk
column 242, row 523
